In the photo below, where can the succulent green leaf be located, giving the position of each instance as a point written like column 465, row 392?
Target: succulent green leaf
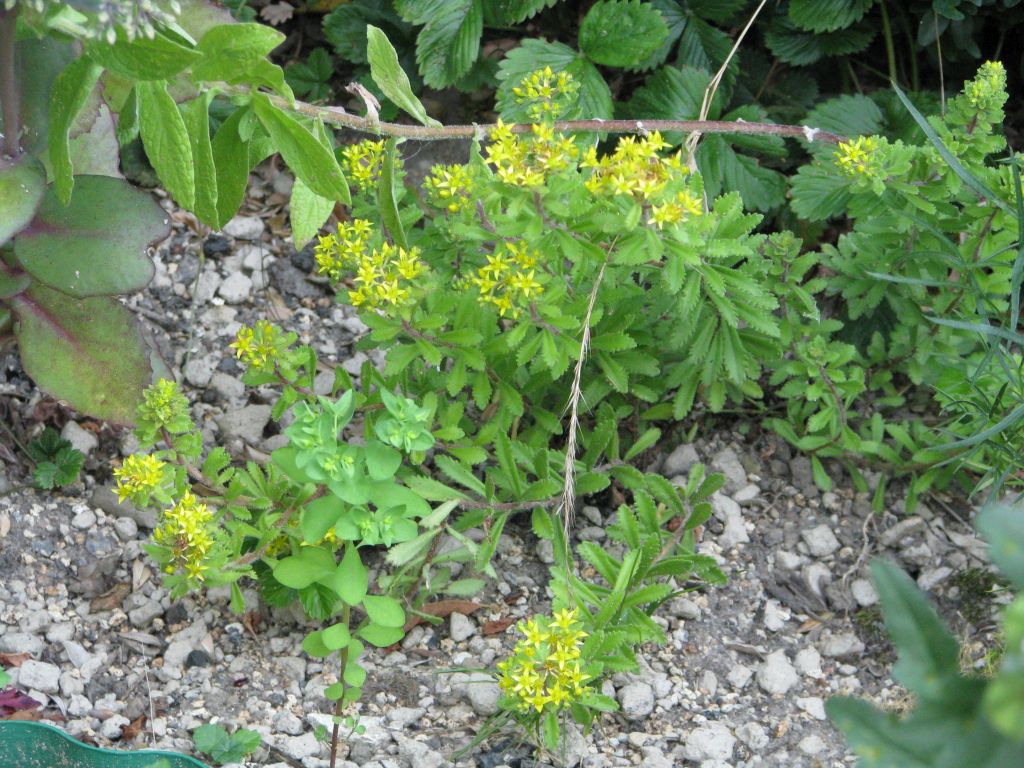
column 311, row 161
column 95, row 245
column 89, row 352
column 22, row 184
column 144, row 58
column 71, row 88
column 382, row 461
column 385, row 611
column 167, row 141
column 621, row 33
column 389, row 76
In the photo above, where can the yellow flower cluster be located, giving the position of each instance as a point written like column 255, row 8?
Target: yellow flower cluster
column 450, row 186
column 683, row 206
column 364, row 162
column 988, row 88
column 185, row 529
column 547, row 95
column 338, row 252
column 860, row 157
column 257, row 346
column 545, row 667
column 636, row 168
column 508, row 280
column 526, row 160
column 383, row 276
column 138, row 476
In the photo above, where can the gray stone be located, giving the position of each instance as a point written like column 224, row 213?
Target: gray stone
column 236, row 288
column 813, row 706
column 932, row 577
column 84, row 520
column 198, row 370
column 300, row 747
column 71, row 684
column 680, row 460
column 684, row 608
column 287, row 722
column 808, row 662
column 747, row 494
column 803, row 475
column 753, row 735
column 482, row 693
column 776, row 675
column 207, row 285
column 40, row 676
column 775, row 616
column 546, row 551
column 246, row 423
column 902, row 530
column 374, row 740
column 64, row 630
column 462, row 627
column 403, row 717
column 145, row 613
column 654, row 757
column 713, row 741
column 637, row 700
column 812, row 745
column 112, row 727
column 591, row 533
column 739, row 676
column 244, row 228
column 844, row 645
column 80, row 439
column 863, row 592
column 79, row 706
column 21, row 642
column 228, row 387
column 735, row 530
column 728, row 463
column 820, row 540
column 177, row 652
column 103, row 497
column 77, row 655
column 416, row 754
column 126, row 528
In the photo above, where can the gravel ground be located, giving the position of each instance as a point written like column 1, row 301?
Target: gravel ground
column 742, row 681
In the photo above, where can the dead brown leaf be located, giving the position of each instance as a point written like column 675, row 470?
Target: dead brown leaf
column 111, row 599
column 442, row 609
column 133, row 729
column 25, row 714
column 13, row 659
column 497, row 626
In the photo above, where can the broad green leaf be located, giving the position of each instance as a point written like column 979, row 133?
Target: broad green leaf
column 196, row 115
column 232, row 163
column 723, row 169
column 309, row 212
column 89, row 352
column 12, row 282
column 380, row 636
column 319, row 516
column 928, row 653
column 144, row 58
column 95, row 245
column 389, row 190
column 464, row 587
column 22, row 184
column 621, row 33
column 389, row 76
column 336, row 636
column 383, row 610
column 311, row 161
column 505, row 12
column 355, row 675
column 1003, row 526
column 827, row 15
column 351, row 579
column 549, row 726
column 230, row 49
column 800, row 48
column 70, row 91
column 1004, row 697
column 309, row 566
column 166, row 141
column 382, row 461
column 449, row 42
column 314, row 645
column 311, row 79
column 817, row 194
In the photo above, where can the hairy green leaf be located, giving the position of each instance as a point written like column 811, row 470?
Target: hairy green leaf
column 70, row 91
column 621, row 33
column 166, row 141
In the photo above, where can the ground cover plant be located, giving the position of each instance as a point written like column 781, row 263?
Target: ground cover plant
column 548, row 313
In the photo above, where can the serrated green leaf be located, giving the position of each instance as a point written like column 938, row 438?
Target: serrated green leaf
column 233, row 49
column 460, row 474
column 827, row 15
column 621, row 33
column 449, row 42
column 144, row 58
column 389, row 76
column 196, row 116
column 166, row 141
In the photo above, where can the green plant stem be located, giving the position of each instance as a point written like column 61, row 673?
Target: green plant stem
column 9, row 92
column 338, row 116
column 346, row 615
column 890, row 46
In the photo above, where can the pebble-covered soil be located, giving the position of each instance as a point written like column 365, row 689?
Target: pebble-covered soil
column 742, row 681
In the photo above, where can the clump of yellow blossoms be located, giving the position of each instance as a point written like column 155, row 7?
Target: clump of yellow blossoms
column 546, row 94
column 364, row 162
column 988, row 88
column 636, row 168
column 545, row 667
column 526, row 160
column 186, row 531
column 684, row 205
column 449, row 186
column 338, row 252
column 860, row 157
column 258, row 346
column 138, row 477
column 509, row 279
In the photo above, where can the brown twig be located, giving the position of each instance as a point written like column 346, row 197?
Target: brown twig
column 9, row 96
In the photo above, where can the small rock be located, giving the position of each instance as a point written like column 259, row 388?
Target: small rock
column 126, row 528
column 198, row 370
column 546, row 551
column 775, row 616
column 680, row 460
column 84, row 520
column 372, row 741
column 80, row 439
column 903, row 529
column 813, row 706
column 735, row 530
column 727, row 462
column 246, row 423
column 64, row 630
column 216, row 245
column 812, row 745
column 40, row 676
column 244, row 228
column 236, row 288
column 461, row 627
column 684, row 608
column 739, row 676
column 206, row 286
column 637, row 700
column 79, row 706
column 710, row 742
column 747, row 494
column 803, row 475
column 776, row 675
column 932, row 577
column 416, row 754
column 228, row 387
column 841, row 646
column 112, row 727
column 21, row 642
column 300, row 747
column 403, row 717
column 287, row 722
column 863, row 592
column 103, row 497
column 145, row 613
column 753, row 735
column 197, row 658
column 820, row 540
column 808, row 662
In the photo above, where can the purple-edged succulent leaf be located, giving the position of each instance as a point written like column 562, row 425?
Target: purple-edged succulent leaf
column 89, row 352
column 96, row 245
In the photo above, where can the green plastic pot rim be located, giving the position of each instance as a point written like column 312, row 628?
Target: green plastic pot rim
column 143, row 758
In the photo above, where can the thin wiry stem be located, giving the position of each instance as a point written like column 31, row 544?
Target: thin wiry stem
column 9, row 95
